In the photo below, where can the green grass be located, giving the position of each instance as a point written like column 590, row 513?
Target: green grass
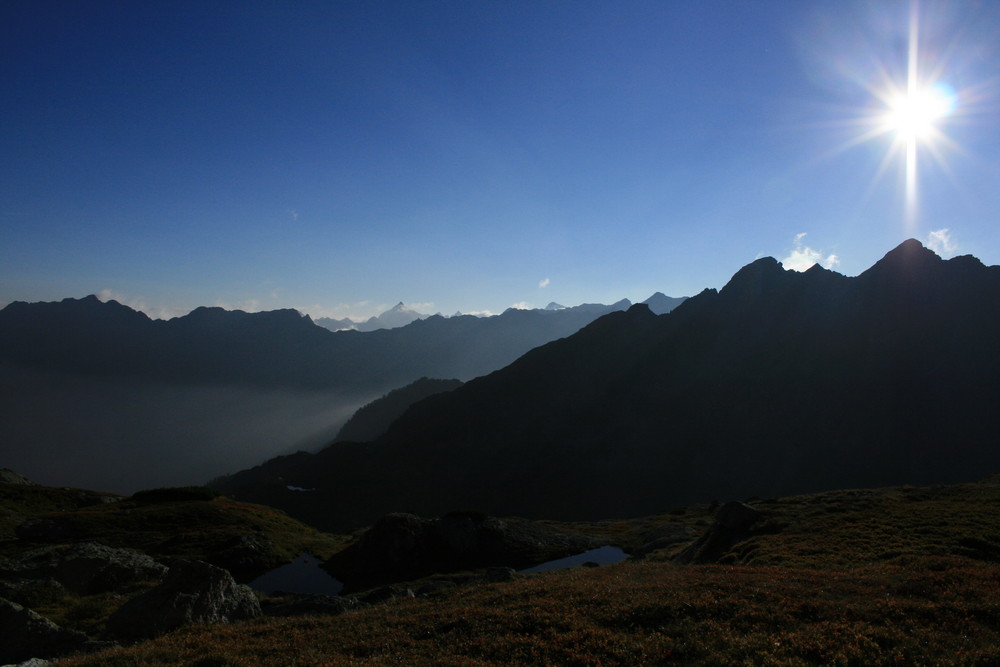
column 641, row 613
column 201, row 530
column 18, row 503
column 898, row 576
column 165, row 524
column 900, row 525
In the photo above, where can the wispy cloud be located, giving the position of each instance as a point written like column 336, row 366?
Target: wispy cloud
column 544, row 282
column 246, row 305
column 111, row 295
column 425, row 307
column 359, row 311
column 940, row 241
column 521, row 305
column 802, row 256
column 140, row 304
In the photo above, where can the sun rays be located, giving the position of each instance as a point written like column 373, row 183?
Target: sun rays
column 910, row 104
column 912, row 116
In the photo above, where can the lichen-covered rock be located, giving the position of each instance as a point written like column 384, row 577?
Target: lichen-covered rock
column 27, row 635
column 32, row 592
column 93, row 568
column 8, row 476
column 85, row 568
column 733, row 523
column 193, row 592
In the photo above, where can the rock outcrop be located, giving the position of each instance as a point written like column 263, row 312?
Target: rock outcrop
column 27, row 635
column 8, row 476
column 92, row 568
column 733, row 522
column 193, row 592
column 84, row 568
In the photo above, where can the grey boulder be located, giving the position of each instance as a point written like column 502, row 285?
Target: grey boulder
column 193, row 592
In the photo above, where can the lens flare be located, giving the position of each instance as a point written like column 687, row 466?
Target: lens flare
column 900, row 67
column 914, row 115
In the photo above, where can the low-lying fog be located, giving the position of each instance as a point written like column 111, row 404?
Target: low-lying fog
column 125, row 435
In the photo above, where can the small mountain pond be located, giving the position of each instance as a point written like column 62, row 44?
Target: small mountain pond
column 601, row 556
column 304, row 574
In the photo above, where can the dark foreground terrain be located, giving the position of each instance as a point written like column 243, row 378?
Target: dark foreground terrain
column 900, row 575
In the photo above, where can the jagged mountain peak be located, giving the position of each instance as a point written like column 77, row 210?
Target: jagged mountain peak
column 89, row 308
column 660, row 304
column 909, row 256
column 757, row 278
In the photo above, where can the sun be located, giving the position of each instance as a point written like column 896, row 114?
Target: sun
column 913, row 116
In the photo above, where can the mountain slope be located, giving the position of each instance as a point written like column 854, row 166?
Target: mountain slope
column 781, row 382
column 99, row 395
column 374, row 419
column 273, row 348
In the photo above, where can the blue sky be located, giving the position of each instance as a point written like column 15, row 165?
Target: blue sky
column 339, row 157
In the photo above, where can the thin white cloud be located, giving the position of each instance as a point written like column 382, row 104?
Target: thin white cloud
column 544, row 282
column 940, row 241
column 247, row 305
column 111, row 295
column 521, row 305
column 425, row 307
column 803, row 257
column 138, row 303
column 359, row 311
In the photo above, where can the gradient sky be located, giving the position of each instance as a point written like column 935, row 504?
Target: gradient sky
column 339, row 157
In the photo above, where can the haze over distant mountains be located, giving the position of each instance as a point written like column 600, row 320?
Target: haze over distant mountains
column 102, row 396
column 397, row 316
column 781, row 382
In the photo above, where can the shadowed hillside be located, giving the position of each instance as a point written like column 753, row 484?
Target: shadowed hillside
column 782, row 382
column 101, row 395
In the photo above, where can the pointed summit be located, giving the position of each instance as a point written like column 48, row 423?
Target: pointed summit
column 754, row 280
column 909, row 253
column 909, row 260
column 397, row 316
column 660, row 303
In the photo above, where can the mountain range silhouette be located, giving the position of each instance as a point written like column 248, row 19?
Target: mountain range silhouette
column 278, row 348
column 781, row 382
column 98, row 395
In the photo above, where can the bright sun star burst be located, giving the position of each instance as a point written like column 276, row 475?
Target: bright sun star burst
column 912, row 106
column 914, row 115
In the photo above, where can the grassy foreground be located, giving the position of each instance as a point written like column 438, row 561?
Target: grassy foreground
column 633, row 613
column 202, row 530
column 898, row 576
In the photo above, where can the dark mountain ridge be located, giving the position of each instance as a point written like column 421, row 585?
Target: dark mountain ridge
column 97, row 394
column 279, row 348
column 781, row 382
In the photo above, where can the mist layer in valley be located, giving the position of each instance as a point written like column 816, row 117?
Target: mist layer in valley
column 122, row 435
column 101, row 396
